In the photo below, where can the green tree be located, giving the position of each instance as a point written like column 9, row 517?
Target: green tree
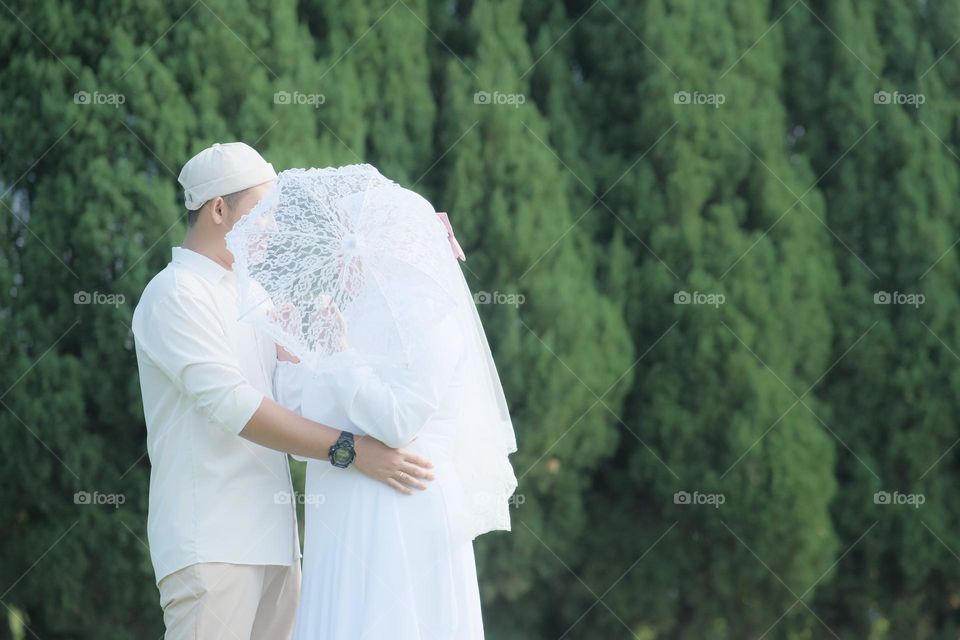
column 374, row 71
column 561, row 348
column 890, row 172
column 704, row 198
column 588, row 191
column 104, row 104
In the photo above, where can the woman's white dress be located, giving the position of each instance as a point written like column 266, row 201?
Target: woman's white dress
column 378, row 564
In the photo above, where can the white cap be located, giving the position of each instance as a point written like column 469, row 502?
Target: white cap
column 220, row 170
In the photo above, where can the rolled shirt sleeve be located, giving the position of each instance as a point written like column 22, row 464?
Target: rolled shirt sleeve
column 183, row 336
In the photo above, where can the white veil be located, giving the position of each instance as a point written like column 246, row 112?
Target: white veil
column 485, row 436
column 323, row 235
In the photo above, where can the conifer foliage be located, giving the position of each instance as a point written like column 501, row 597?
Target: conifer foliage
column 714, row 245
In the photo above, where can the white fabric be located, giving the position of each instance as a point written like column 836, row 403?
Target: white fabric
column 324, row 238
column 485, row 435
column 379, row 564
column 220, row 170
column 214, row 496
column 333, row 252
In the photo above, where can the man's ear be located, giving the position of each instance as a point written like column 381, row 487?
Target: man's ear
column 218, row 210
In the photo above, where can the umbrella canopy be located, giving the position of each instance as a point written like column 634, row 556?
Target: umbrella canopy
column 328, row 248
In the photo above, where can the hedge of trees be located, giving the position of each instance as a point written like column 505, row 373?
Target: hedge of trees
column 718, row 241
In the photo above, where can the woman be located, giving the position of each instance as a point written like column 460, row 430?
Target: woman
column 379, row 563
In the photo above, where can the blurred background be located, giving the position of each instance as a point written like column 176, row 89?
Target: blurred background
column 713, row 243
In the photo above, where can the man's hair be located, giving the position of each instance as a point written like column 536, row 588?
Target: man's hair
column 232, row 200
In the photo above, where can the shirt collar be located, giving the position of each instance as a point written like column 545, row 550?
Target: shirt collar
column 200, row 264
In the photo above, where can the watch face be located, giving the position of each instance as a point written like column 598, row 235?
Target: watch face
column 342, row 455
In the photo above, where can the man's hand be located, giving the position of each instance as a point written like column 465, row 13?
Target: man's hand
column 397, row 468
column 285, row 356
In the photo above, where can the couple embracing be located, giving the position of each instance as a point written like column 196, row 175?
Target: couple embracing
column 371, row 365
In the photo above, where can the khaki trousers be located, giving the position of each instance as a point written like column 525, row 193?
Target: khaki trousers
column 218, row 601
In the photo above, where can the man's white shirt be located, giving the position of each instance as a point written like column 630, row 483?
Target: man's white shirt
column 214, row 496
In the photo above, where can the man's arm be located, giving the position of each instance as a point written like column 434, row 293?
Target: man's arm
column 182, row 335
column 276, row 427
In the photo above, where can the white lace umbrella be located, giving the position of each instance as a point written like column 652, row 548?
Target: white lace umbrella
column 326, row 246
column 331, row 249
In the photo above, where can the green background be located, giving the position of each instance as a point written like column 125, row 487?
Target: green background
column 789, row 167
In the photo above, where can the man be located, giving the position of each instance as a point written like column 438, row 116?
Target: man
column 222, row 522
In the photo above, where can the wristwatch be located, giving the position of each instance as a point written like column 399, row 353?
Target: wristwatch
column 342, row 453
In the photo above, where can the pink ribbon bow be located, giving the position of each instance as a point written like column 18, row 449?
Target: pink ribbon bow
column 457, row 249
